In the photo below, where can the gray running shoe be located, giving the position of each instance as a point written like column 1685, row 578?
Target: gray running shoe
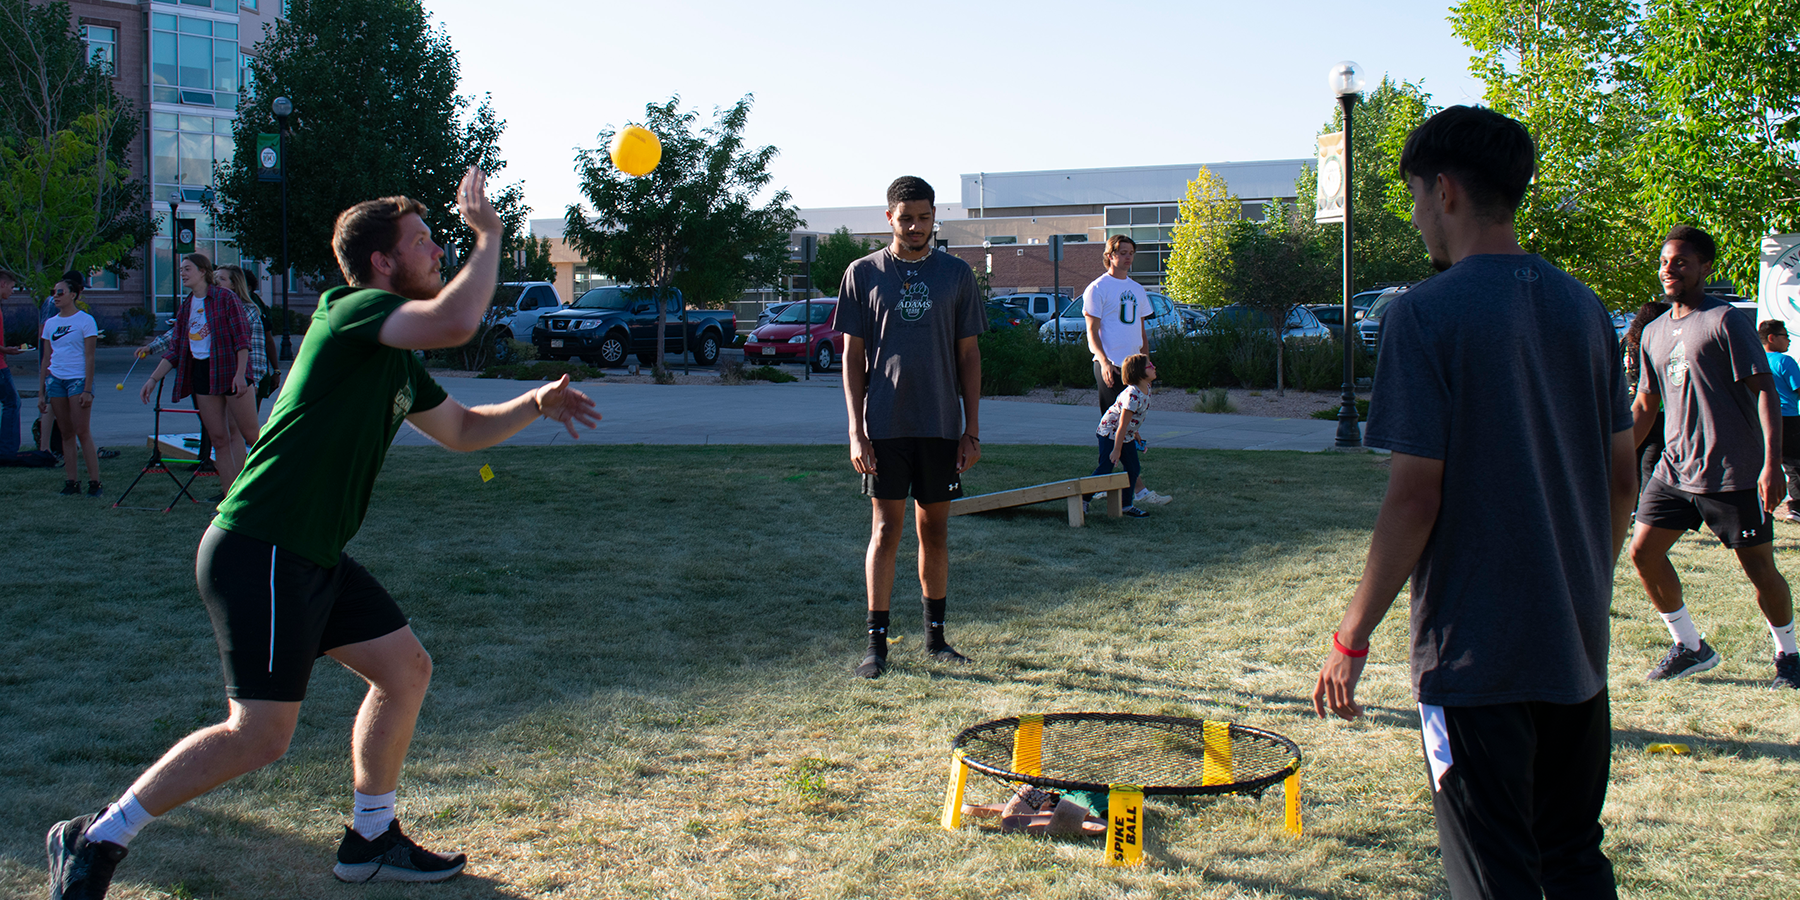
column 80, row 870
column 1787, row 672
column 1681, row 661
column 392, row 857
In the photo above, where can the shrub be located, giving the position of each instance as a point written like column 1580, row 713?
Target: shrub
column 1253, row 362
column 1015, row 360
column 1362, row 410
column 769, row 373
column 1320, row 365
column 1215, row 400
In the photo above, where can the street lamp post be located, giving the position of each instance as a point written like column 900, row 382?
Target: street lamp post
column 1346, row 80
column 174, row 252
column 283, row 107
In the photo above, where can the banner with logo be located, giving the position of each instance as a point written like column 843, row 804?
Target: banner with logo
column 1332, row 178
column 1778, row 282
column 184, row 235
column 268, row 157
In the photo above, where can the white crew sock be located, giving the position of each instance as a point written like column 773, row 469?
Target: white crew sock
column 121, row 821
column 1784, row 637
column 372, row 813
column 1681, row 628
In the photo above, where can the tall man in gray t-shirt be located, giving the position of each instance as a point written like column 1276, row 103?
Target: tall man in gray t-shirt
column 910, row 315
column 1721, row 461
column 1500, row 392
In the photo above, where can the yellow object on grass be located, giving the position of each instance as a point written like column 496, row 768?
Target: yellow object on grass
column 487, row 474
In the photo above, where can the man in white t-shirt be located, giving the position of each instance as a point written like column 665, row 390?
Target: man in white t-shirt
column 1115, row 307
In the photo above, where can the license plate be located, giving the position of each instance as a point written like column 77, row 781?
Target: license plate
column 555, row 343
column 768, row 351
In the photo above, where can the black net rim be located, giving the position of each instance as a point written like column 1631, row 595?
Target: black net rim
column 1250, row 786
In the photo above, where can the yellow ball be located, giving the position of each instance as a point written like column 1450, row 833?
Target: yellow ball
column 635, row 150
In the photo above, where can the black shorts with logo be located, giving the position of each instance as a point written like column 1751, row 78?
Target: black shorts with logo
column 1737, row 517
column 923, row 467
column 274, row 612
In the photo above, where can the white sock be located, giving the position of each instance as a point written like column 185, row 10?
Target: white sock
column 121, row 821
column 1784, row 637
column 1681, row 628
column 372, row 813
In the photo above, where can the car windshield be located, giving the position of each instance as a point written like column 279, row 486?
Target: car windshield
column 796, row 314
column 1073, row 309
column 604, row 298
column 1381, row 304
column 1240, row 317
column 507, row 294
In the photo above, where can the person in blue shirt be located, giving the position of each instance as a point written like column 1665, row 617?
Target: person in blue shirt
column 1787, row 386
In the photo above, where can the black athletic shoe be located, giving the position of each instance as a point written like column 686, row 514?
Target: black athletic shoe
column 107, row 453
column 80, row 870
column 1682, row 661
column 872, row 666
column 1135, row 513
column 948, row 654
column 71, row 489
column 93, row 489
column 1787, row 672
column 392, row 857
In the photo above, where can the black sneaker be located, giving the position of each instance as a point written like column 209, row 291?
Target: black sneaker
column 107, row 453
column 947, row 654
column 1787, row 672
column 93, row 489
column 71, row 489
column 872, row 666
column 1681, row 661
column 1135, row 513
column 392, row 857
column 80, row 870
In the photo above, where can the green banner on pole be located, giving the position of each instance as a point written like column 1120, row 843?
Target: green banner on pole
column 184, row 235
column 268, row 157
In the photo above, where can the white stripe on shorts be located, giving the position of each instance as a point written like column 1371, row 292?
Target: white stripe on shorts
column 1437, row 743
column 272, row 609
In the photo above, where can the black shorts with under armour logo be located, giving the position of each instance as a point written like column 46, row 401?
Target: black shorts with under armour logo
column 922, row 467
column 1737, row 517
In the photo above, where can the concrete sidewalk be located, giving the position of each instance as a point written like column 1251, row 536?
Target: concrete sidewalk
column 803, row 412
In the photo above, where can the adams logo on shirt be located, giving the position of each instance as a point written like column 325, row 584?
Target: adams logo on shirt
column 915, row 301
column 403, row 401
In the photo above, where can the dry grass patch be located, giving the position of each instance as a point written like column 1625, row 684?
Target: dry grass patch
column 642, row 688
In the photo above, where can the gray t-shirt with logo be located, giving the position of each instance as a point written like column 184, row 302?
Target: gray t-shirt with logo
column 909, row 317
column 1713, row 437
column 1506, row 369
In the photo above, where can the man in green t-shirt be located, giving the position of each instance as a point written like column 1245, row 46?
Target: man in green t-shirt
column 271, row 568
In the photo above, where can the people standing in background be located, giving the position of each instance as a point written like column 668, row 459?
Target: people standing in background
column 66, row 381
column 1786, row 373
column 210, row 356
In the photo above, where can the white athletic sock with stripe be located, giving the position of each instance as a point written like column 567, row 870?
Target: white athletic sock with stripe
column 120, row 822
column 1681, row 628
column 1784, row 637
column 372, row 813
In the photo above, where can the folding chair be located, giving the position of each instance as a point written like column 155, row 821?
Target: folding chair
column 201, row 464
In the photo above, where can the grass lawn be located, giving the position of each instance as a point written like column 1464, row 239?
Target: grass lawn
column 642, row 687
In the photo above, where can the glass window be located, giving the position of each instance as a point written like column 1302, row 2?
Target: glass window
column 1003, row 239
column 1118, row 215
column 102, row 45
column 162, row 21
column 196, row 157
column 1166, row 215
column 187, row 25
column 247, row 4
column 246, row 78
column 1074, row 238
column 225, row 30
column 102, row 280
column 1143, row 215
column 194, row 53
column 225, row 57
column 163, row 69
column 162, row 156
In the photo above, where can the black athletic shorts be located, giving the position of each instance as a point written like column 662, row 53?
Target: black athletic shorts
column 199, row 377
column 275, row 612
column 923, row 467
column 1737, row 517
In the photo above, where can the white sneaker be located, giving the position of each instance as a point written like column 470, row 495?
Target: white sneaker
column 1151, row 497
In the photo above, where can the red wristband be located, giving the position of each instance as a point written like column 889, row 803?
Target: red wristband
column 1339, row 647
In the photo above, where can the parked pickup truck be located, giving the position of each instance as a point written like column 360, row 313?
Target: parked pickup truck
column 606, row 323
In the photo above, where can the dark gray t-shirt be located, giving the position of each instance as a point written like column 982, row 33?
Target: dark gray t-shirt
column 1713, row 439
column 1506, row 369
column 910, row 316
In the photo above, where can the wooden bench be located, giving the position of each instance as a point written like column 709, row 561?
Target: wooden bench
column 1112, row 485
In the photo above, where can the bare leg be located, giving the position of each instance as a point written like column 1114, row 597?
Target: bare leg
column 44, row 422
column 212, row 418
column 1772, row 592
column 1650, row 554
column 240, row 409
column 81, row 416
column 932, row 523
column 398, row 671
column 59, row 409
column 256, row 734
column 884, row 546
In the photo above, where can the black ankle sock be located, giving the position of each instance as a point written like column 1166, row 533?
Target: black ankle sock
column 878, row 629
column 934, row 624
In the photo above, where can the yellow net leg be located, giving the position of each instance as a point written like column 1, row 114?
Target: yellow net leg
column 1125, row 825
column 1290, row 790
column 953, row 793
column 1028, row 745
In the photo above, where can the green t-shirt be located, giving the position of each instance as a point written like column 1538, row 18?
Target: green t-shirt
column 307, row 482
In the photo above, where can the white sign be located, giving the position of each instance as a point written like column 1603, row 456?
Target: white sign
column 1778, row 282
column 1332, row 178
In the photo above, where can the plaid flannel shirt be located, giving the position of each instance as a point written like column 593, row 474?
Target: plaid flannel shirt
column 230, row 333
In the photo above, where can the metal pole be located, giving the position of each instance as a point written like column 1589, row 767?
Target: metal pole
column 807, row 366
column 287, row 347
column 174, row 260
column 1349, row 433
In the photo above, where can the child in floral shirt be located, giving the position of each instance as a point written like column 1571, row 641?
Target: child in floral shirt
column 1117, row 435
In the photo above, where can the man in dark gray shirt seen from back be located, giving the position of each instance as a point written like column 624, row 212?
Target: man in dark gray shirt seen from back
column 1500, row 392
column 1721, row 460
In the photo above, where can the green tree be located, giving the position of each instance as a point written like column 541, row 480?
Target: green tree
column 1387, row 247
column 62, row 122
column 1275, row 265
column 537, row 265
column 1723, row 78
column 1201, row 239
column 694, row 222
column 1574, row 73
column 376, row 113
column 835, row 254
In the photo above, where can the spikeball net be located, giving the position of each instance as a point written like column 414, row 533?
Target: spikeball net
column 1110, row 762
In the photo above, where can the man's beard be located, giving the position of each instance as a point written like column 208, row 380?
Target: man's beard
column 422, row 284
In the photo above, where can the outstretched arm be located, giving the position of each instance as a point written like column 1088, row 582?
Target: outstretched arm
column 452, row 317
column 1408, row 513
column 856, row 388
column 463, row 428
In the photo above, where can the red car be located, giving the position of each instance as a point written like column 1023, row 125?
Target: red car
column 790, row 338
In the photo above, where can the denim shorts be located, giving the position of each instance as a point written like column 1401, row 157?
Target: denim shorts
column 64, row 387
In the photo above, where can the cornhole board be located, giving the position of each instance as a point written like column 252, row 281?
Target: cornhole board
column 178, row 446
column 1113, row 485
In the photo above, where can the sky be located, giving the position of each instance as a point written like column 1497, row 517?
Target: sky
column 855, row 94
